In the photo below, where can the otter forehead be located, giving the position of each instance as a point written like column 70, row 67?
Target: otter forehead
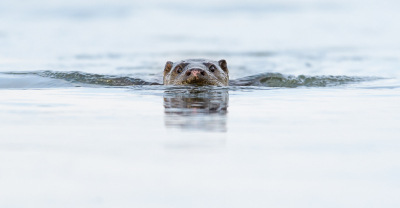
column 195, row 63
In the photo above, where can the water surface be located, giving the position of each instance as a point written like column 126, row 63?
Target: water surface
column 310, row 119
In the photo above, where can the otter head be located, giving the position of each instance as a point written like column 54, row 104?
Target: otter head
column 196, row 72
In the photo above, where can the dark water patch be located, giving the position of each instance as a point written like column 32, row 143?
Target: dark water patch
column 87, row 78
column 259, row 81
column 290, row 81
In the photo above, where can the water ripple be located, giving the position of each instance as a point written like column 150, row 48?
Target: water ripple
column 258, row 80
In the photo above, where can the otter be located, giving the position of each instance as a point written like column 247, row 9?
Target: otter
column 196, row 72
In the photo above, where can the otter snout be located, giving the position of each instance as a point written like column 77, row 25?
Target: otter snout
column 196, row 72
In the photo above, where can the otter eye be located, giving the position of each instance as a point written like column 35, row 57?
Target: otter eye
column 212, row 68
column 179, row 69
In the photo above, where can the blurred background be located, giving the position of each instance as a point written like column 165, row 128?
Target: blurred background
column 122, row 37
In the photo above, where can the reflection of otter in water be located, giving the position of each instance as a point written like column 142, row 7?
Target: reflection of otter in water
column 196, row 72
column 199, row 110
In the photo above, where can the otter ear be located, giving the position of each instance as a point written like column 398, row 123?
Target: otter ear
column 168, row 67
column 222, row 64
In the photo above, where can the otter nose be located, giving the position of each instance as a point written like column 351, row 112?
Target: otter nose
column 196, row 72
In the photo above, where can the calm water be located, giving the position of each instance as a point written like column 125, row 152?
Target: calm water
column 311, row 117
